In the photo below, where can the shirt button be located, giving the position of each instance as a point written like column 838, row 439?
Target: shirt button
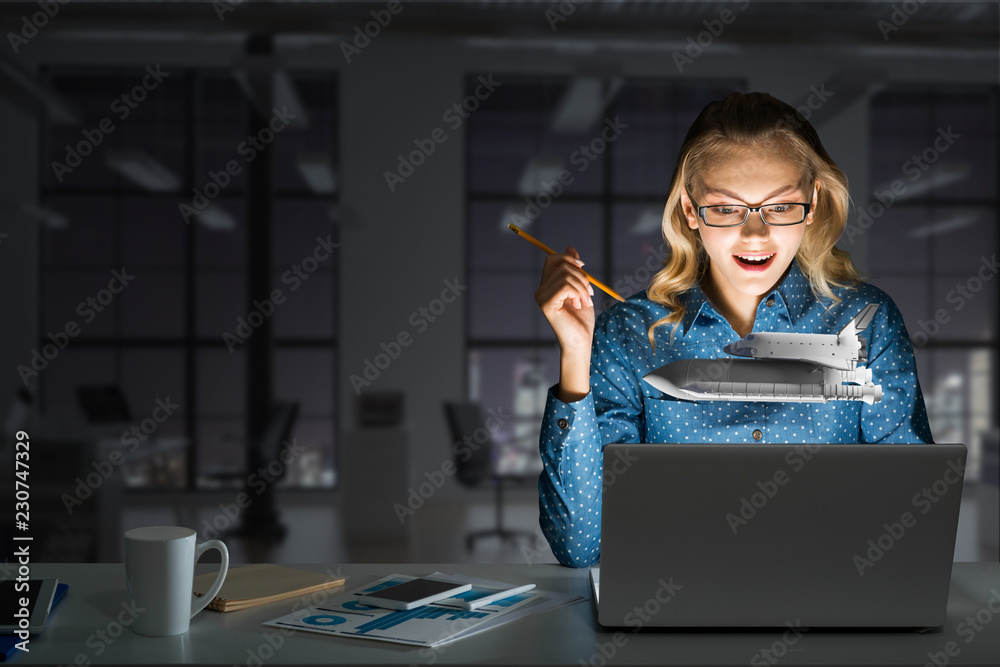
column 770, row 302
column 757, row 435
column 563, row 423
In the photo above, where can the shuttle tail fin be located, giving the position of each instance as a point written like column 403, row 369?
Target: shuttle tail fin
column 860, row 321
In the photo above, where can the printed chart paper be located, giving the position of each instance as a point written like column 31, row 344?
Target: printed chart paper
column 429, row 625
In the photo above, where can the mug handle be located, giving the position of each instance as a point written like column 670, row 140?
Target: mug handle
column 197, row 604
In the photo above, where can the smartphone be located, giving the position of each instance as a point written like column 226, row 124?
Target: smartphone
column 413, row 594
column 36, row 593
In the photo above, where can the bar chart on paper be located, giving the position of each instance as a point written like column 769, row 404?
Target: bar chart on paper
column 424, row 625
column 427, row 612
column 428, row 625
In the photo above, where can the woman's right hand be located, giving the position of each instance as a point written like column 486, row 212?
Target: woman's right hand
column 564, row 297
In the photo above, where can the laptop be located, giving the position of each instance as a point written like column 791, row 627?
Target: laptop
column 738, row 535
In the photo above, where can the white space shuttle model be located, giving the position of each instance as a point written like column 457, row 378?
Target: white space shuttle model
column 795, row 367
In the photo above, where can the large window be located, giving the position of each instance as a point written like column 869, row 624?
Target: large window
column 573, row 161
column 933, row 245
column 185, row 140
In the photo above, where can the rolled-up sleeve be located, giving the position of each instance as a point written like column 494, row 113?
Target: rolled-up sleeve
column 901, row 415
column 571, row 445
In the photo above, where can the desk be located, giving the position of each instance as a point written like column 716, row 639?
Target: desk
column 564, row 636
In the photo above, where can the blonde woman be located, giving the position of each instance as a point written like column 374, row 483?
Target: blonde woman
column 755, row 207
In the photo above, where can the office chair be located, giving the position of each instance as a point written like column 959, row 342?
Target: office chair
column 260, row 518
column 464, row 418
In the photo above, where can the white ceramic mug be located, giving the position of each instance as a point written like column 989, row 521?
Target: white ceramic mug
column 159, row 573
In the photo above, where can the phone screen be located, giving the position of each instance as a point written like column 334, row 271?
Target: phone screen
column 417, row 589
column 12, row 598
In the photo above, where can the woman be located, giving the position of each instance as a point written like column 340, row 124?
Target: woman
column 731, row 271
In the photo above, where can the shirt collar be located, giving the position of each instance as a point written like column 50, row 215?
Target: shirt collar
column 792, row 294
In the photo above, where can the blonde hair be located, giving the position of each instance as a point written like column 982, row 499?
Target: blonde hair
column 723, row 131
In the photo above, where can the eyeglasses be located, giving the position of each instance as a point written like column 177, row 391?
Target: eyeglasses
column 734, row 215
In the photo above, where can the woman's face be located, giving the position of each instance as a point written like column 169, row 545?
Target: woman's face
column 749, row 181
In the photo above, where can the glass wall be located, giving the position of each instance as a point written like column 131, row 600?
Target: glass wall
column 145, row 251
column 933, row 241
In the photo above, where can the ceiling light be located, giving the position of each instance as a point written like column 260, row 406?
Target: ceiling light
column 142, row 170
column 216, row 219
column 540, row 168
column 317, row 172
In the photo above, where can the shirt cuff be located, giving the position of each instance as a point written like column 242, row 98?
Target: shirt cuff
column 560, row 416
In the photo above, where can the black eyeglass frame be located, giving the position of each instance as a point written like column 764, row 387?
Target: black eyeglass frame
column 751, row 209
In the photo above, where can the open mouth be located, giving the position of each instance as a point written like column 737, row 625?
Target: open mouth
column 754, row 262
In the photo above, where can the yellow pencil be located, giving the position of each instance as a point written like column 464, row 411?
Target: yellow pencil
column 529, row 237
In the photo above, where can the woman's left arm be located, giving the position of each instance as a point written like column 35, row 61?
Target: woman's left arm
column 901, row 415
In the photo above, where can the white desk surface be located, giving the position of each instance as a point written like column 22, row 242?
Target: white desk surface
column 83, row 630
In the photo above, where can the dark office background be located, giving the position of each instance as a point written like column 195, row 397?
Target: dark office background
column 371, row 267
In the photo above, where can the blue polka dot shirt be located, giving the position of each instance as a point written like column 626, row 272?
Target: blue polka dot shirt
column 623, row 408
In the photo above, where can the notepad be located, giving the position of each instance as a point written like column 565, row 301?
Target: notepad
column 252, row 585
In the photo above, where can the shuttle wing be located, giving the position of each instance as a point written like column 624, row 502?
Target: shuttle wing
column 753, row 380
column 781, row 367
